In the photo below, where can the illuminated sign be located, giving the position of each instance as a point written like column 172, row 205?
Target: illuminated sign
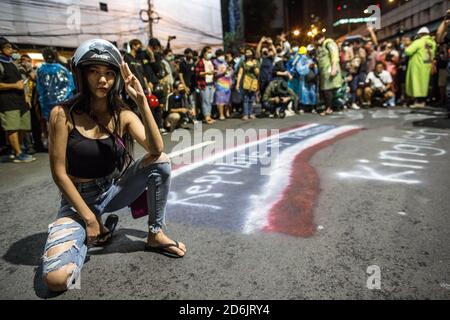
column 354, row 20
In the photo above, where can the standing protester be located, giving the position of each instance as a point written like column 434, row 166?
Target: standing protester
column 307, row 72
column 223, row 82
column 442, row 62
column 391, row 57
column 357, row 68
column 14, row 114
column 94, row 168
column 402, row 69
column 187, row 76
column 54, row 85
column 167, row 64
column 204, row 71
column 248, row 82
column 29, row 79
column 134, row 60
column 155, row 71
column 443, row 37
column 265, row 52
column 421, row 55
column 330, row 70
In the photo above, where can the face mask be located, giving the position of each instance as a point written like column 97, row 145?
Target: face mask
column 139, row 50
column 15, row 56
column 221, row 59
column 249, row 57
column 182, row 91
column 209, row 56
column 295, row 49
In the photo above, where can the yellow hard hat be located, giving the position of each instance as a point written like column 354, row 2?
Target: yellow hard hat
column 302, row 50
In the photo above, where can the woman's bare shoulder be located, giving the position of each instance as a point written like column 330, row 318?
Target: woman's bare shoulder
column 127, row 115
column 60, row 115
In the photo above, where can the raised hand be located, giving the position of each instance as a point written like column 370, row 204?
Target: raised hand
column 132, row 84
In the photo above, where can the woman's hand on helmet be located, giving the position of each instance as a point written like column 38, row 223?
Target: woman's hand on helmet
column 132, row 85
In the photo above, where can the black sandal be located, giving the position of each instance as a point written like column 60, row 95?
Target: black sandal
column 105, row 238
column 163, row 250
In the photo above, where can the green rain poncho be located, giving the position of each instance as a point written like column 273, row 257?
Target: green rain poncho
column 421, row 53
column 328, row 54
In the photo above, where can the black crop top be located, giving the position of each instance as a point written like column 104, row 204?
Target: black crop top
column 91, row 158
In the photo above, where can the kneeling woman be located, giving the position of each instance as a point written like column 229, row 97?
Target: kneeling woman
column 90, row 146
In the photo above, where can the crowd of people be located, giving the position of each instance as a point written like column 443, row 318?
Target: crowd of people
column 276, row 79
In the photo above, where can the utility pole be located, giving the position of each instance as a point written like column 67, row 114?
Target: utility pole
column 150, row 17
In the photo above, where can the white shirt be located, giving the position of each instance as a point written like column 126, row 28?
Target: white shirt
column 380, row 81
column 209, row 67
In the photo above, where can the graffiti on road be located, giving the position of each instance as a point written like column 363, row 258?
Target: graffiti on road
column 236, row 196
column 402, row 163
column 406, row 115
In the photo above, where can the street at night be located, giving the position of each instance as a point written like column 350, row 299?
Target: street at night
column 344, row 209
column 233, row 154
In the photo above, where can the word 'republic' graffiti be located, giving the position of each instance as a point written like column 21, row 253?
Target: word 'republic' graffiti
column 234, row 195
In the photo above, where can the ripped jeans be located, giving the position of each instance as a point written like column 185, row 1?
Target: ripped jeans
column 106, row 195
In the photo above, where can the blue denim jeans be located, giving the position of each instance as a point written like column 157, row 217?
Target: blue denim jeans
column 102, row 196
column 207, row 100
column 249, row 99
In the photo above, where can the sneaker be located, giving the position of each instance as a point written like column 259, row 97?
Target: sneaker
column 163, row 131
column 355, row 106
column 290, row 113
column 419, row 105
column 23, row 158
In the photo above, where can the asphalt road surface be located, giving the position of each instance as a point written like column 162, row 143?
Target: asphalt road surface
column 355, row 206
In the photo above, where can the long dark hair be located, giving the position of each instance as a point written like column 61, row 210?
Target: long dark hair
column 81, row 103
column 204, row 51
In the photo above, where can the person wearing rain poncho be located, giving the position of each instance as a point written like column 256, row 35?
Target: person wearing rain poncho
column 305, row 83
column 421, row 54
column 54, row 85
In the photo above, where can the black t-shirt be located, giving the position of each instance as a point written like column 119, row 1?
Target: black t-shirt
column 11, row 99
column 177, row 101
column 187, row 69
column 151, row 69
column 279, row 67
column 266, row 70
column 136, row 68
